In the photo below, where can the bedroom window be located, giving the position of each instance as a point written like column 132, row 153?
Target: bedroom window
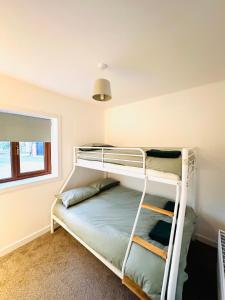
column 20, row 160
column 25, row 147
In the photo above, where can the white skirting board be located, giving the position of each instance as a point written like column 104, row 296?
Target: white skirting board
column 24, row 240
column 205, row 240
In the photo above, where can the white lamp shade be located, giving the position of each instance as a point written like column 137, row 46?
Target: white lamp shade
column 102, row 90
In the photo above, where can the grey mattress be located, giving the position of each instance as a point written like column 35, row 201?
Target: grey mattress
column 105, row 222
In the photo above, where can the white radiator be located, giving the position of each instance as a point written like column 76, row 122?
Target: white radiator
column 221, row 265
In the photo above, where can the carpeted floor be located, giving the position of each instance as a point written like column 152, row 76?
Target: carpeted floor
column 57, row 267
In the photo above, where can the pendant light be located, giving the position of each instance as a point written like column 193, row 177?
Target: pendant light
column 102, row 90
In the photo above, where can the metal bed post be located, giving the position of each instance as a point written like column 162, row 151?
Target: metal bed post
column 52, row 220
column 61, row 190
column 75, row 155
column 193, row 177
column 170, row 248
column 171, row 293
column 103, row 157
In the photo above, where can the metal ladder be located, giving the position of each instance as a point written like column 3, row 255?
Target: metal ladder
column 165, row 255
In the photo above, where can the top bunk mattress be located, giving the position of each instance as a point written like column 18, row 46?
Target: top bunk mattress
column 170, row 168
column 105, row 221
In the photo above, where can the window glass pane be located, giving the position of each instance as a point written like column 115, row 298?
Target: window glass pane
column 5, row 160
column 31, row 156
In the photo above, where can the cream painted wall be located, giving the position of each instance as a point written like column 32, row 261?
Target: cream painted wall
column 26, row 210
column 191, row 118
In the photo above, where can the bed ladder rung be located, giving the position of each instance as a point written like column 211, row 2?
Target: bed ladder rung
column 135, row 288
column 154, row 249
column 158, row 209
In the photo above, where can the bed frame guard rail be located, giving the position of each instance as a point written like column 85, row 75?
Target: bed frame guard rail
column 132, row 155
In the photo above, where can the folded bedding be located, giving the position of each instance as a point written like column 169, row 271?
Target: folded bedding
column 161, row 232
column 105, row 221
column 163, row 153
column 170, row 205
column 157, row 163
column 91, row 146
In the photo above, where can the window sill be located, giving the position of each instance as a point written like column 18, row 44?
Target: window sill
column 23, row 183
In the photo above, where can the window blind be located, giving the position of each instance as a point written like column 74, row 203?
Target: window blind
column 15, row 128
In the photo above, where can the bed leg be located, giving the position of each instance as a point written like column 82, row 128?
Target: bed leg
column 52, row 225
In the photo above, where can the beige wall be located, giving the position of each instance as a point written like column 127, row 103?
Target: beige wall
column 27, row 210
column 192, row 118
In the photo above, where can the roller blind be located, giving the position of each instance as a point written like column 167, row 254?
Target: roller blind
column 15, row 128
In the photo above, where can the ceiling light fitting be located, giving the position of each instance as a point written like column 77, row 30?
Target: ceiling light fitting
column 102, row 89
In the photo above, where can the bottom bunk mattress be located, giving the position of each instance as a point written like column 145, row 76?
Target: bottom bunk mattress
column 105, row 221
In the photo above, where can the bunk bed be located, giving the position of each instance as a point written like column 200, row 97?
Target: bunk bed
column 115, row 223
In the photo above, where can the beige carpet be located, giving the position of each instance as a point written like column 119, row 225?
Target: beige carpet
column 57, row 267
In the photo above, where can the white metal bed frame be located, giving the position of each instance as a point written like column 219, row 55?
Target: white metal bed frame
column 188, row 169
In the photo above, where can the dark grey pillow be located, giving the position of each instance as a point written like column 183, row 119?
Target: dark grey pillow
column 104, row 184
column 94, row 145
column 77, row 195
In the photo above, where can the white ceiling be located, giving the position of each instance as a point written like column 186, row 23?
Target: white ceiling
column 153, row 47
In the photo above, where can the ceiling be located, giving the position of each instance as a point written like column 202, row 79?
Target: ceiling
column 152, row 47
